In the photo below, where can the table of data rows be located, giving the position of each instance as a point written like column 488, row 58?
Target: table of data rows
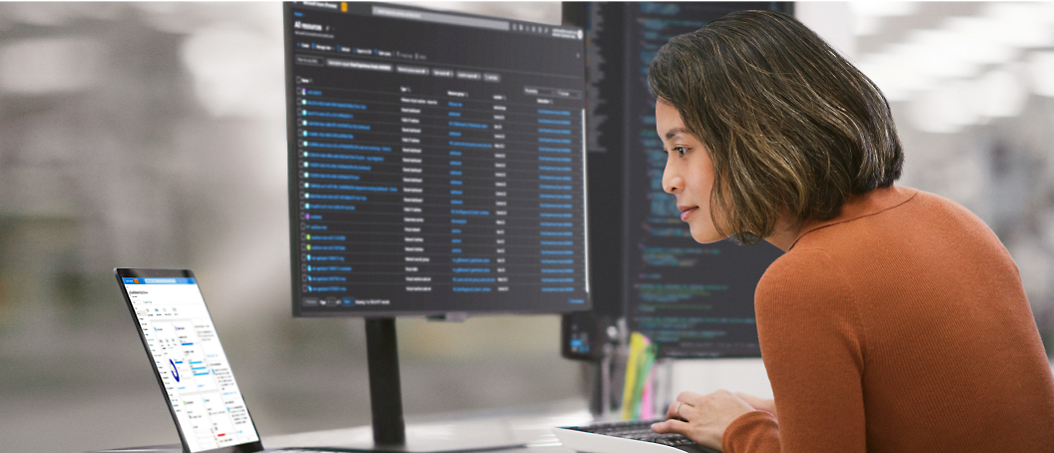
column 432, row 179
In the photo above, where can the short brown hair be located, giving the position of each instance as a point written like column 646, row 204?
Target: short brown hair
column 788, row 122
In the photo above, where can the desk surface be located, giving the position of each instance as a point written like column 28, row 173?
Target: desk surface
column 524, row 426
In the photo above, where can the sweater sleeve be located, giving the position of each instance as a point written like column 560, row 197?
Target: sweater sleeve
column 812, row 347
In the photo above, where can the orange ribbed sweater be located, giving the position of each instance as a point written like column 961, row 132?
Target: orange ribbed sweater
column 900, row 326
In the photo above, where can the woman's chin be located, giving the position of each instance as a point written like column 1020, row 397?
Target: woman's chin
column 705, row 235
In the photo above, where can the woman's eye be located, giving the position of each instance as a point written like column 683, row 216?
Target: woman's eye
column 680, row 150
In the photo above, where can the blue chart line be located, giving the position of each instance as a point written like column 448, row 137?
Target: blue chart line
column 557, row 252
column 361, row 127
column 557, row 233
column 548, row 168
column 554, row 196
column 338, row 166
column 564, row 243
column 174, row 371
column 197, row 370
column 554, row 131
column 554, row 140
column 554, row 112
column 558, row 261
column 554, row 159
column 346, row 116
column 554, row 214
column 335, row 105
column 558, row 280
column 557, row 290
column 553, row 150
column 554, row 178
column 554, row 224
column 552, row 187
column 349, row 187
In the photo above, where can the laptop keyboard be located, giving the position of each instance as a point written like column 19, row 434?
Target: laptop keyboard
column 641, row 430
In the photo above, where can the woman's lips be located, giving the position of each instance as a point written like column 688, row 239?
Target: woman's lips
column 687, row 212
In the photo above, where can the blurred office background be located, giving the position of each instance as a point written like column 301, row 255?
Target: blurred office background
column 152, row 134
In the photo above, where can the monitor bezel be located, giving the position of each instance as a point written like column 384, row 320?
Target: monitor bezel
column 456, row 315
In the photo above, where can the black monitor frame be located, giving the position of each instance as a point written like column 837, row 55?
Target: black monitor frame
column 385, row 390
column 434, row 304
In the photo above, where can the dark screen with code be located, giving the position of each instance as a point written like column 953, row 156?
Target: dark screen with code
column 693, row 300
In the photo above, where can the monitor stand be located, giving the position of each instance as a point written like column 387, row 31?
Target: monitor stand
column 389, row 429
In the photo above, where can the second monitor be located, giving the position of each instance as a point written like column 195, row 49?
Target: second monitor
column 694, row 300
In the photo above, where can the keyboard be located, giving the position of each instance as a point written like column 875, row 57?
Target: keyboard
column 626, row 437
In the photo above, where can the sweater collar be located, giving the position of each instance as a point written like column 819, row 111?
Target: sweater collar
column 862, row 205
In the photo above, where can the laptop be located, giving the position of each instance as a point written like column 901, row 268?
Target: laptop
column 189, row 362
column 208, row 408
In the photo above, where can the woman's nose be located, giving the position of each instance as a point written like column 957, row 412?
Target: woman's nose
column 671, row 181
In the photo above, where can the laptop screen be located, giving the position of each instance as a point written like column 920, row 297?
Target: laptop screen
column 190, row 364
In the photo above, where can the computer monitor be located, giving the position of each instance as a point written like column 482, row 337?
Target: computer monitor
column 436, row 169
column 694, row 300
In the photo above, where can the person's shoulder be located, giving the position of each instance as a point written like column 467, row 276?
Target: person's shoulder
column 950, row 216
column 802, row 275
column 930, row 202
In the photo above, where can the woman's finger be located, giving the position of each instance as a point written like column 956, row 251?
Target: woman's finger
column 676, row 410
column 671, row 426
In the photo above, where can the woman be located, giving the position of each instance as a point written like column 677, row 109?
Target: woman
column 896, row 320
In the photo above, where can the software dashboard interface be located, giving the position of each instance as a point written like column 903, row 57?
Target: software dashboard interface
column 436, row 162
column 195, row 374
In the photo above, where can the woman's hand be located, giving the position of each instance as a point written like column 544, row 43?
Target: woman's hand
column 759, row 404
column 704, row 418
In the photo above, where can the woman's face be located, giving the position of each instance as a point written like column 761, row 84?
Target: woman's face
column 689, row 174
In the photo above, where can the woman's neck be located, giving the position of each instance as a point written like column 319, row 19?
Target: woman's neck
column 787, row 231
